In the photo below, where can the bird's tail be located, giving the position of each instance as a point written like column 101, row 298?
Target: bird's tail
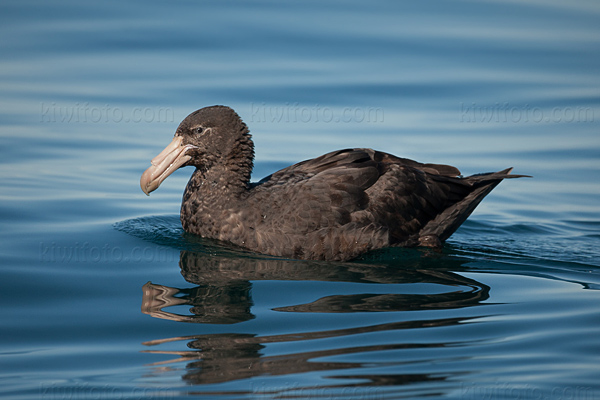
column 447, row 222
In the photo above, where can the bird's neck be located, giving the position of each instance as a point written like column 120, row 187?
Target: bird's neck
column 226, row 180
column 211, row 196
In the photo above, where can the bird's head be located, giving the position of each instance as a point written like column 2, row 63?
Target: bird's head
column 204, row 138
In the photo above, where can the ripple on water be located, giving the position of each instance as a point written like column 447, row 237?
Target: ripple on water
column 519, row 241
column 163, row 229
column 166, row 230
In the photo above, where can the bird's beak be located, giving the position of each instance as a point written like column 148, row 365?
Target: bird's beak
column 164, row 164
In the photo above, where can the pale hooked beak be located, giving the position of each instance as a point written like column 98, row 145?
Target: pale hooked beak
column 164, row 164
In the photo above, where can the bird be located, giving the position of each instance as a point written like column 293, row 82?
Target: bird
column 334, row 207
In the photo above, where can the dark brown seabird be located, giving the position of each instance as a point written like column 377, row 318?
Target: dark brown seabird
column 333, row 207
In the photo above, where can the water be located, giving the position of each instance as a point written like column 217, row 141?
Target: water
column 104, row 296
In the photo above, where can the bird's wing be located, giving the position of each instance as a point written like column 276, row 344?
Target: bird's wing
column 316, row 193
column 358, row 188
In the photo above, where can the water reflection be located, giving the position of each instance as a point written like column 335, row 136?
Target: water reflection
column 223, row 296
column 221, row 358
column 211, row 304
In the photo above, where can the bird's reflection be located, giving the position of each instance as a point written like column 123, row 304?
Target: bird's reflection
column 223, row 296
column 225, row 357
column 211, row 304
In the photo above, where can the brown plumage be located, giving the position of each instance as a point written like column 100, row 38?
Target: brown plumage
column 333, row 207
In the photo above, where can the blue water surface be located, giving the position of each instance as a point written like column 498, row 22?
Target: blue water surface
column 105, row 297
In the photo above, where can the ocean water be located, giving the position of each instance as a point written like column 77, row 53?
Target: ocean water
column 105, row 297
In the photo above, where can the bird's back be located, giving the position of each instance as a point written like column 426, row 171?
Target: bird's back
column 346, row 202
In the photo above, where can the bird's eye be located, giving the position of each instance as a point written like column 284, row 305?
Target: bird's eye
column 199, row 130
